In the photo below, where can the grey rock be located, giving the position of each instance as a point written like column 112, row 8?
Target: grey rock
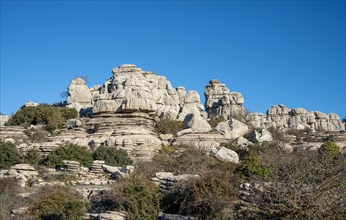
column 260, row 136
column 221, row 102
column 197, row 123
column 232, row 128
column 228, row 155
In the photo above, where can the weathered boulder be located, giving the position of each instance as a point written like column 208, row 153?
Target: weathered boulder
column 260, row 136
column 227, row 155
column 232, row 128
column 197, row 123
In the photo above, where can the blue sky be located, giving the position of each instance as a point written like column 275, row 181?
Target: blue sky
column 273, row 52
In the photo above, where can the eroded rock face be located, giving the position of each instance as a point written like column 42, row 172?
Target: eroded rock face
column 221, row 102
column 232, row 128
column 282, row 117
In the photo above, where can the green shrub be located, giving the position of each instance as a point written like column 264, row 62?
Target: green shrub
column 169, row 126
column 8, row 155
column 32, row 157
column 252, row 166
column 112, row 156
column 69, row 152
column 329, row 150
column 138, row 196
column 59, row 203
column 50, row 116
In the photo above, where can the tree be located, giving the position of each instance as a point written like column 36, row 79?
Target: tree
column 70, row 152
column 112, row 156
column 9, row 155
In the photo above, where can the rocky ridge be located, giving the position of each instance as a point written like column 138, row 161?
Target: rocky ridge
column 123, row 112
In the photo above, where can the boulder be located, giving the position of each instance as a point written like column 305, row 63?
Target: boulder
column 110, row 169
column 197, row 123
column 260, row 136
column 232, row 128
column 227, row 155
column 112, row 215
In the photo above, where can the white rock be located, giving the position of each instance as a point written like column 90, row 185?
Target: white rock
column 232, row 128
column 228, row 155
column 197, row 123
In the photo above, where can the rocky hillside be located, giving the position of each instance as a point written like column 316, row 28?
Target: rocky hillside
column 136, row 129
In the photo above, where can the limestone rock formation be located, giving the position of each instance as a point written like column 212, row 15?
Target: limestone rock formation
column 14, row 132
column 232, row 128
column 80, row 96
column 282, row 117
column 221, row 102
column 165, row 180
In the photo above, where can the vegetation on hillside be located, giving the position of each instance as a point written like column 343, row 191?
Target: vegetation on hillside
column 9, row 155
column 69, row 152
column 112, row 156
column 50, row 117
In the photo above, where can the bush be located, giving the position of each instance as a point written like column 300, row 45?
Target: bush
column 8, row 155
column 190, row 161
column 59, row 203
column 138, row 196
column 168, row 126
column 49, row 116
column 252, row 166
column 112, row 156
column 32, row 157
column 69, row 152
column 37, row 134
column 329, row 150
column 210, row 196
column 167, row 149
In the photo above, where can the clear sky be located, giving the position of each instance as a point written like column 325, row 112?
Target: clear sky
column 273, row 52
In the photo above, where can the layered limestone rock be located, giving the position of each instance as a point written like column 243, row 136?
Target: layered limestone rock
column 221, row 102
column 166, row 180
column 15, row 133
column 282, row 117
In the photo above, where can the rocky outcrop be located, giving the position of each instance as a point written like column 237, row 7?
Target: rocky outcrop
column 3, row 119
column 71, row 166
column 14, row 132
column 165, row 180
column 232, row 128
column 282, row 117
column 221, row 102
column 96, row 166
column 260, row 136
